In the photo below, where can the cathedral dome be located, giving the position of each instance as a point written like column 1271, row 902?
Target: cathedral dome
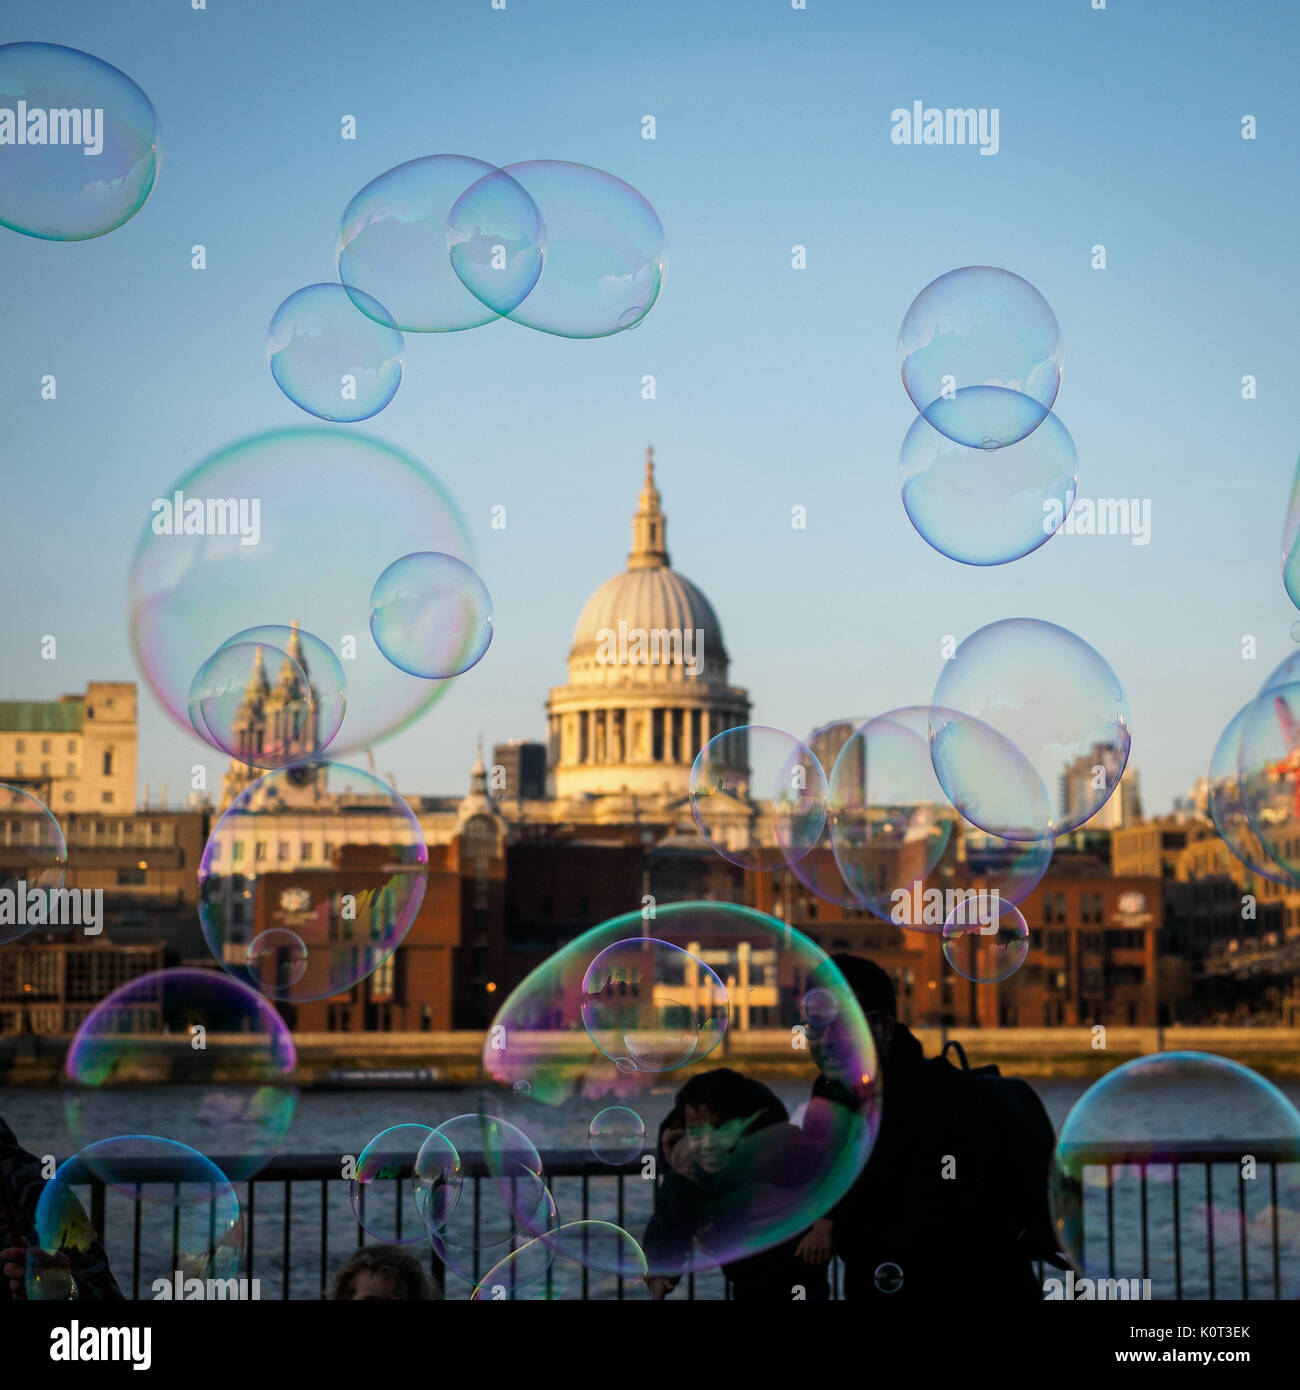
column 650, row 599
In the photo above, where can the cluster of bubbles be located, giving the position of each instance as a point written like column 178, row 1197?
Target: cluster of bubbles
column 1120, row 1210
column 401, row 627
column 988, row 473
column 447, row 243
column 79, row 143
column 1254, row 781
column 877, row 813
column 584, row 1056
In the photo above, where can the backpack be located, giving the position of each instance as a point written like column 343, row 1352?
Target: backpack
column 1017, row 1144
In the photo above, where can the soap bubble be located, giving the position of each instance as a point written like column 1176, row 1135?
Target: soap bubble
column 617, row 1135
column 348, row 893
column 34, row 866
column 512, row 1202
column 980, row 351
column 1147, row 1181
column 890, row 823
column 1227, row 807
column 751, row 763
column 184, row 1220
column 1290, row 544
column 600, row 243
column 431, row 615
column 818, row 870
column 64, row 188
column 559, row 1266
column 234, row 707
column 208, row 1054
column 277, row 960
column 766, row 1179
column 985, row 939
column 988, row 508
column 1268, row 765
column 335, row 352
column 437, row 1180
column 650, row 1006
column 392, row 245
column 1023, row 689
column 387, row 1199
column 320, row 545
column 888, row 1278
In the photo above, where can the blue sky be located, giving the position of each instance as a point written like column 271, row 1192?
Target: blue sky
column 774, row 387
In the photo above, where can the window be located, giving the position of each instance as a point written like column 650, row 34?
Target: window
column 237, row 853
column 126, row 877
column 72, row 745
column 306, row 853
column 282, row 851
column 72, row 770
column 20, row 746
column 45, row 769
column 259, row 850
column 108, row 762
column 45, row 745
column 106, row 798
column 18, row 769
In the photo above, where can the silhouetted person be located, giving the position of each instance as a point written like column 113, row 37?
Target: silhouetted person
column 67, row 1273
column 956, row 1185
column 731, row 1166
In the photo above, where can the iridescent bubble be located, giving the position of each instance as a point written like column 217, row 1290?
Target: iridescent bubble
column 988, row 508
column 1147, row 1182
column 818, row 870
column 207, row 1053
column 888, row 1278
column 1227, row 807
column 349, row 893
column 652, row 1006
column 335, row 352
column 392, row 245
column 1023, row 689
column 755, row 791
column 890, row 823
column 767, row 1179
column 234, row 708
column 387, row 1199
column 186, row 1222
column 512, row 1204
column 1268, row 767
column 35, row 863
column 599, row 242
column 323, row 691
column 558, row 1267
column 985, row 939
column 980, row 352
column 1291, row 546
column 437, row 1180
column 616, row 1135
column 277, row 960
column 79, row 143
column 317, row 545
column 431, row 615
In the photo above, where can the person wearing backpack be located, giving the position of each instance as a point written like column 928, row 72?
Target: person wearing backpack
column 956, row 1185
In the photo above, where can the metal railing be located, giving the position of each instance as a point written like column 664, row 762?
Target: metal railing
column 603, row 1194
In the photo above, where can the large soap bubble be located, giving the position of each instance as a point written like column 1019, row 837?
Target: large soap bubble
column 559, row 1267
column 1148, row 1181
column 980, row 351
column 736, row 1177
column 34, row 866
column 389, row 1200
column 306, row 543
column 600, row 246
column 988, row 508
column 431, row 615
column 205, row 1053
column 345, row 895
column 392, row 246
column 1023, row 690
column 78, row 143
column 185, row 1226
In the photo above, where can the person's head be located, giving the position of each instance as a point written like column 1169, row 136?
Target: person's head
column 718, row 1107
column 874, row 991
column 384, row 1272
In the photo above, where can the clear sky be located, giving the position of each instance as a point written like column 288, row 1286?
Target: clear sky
column 775, row 387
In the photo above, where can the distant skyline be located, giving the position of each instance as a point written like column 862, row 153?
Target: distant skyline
column 775, row 387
